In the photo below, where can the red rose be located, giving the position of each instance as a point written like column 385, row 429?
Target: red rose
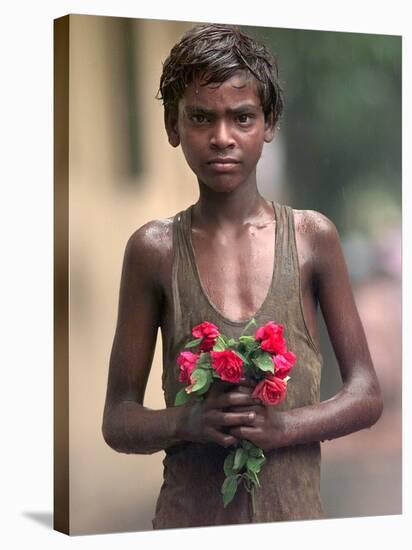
column 209, row 332
column 283, row 363
column 271, row 336
column 187, row 361
column 227, row 364
column 207, row 344
column 271, row 390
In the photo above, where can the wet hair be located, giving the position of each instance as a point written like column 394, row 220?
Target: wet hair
column 215, row 52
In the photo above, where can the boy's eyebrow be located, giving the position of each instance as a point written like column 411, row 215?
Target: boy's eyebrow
column 190, row 109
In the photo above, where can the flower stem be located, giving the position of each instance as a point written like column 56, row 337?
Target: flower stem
column 252, row 494
column 247, row 327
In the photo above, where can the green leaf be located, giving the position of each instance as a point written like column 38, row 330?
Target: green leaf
column 231, row 342
column 255, row 464
column 201, row 377
column 253, row 348
column 220, row 344
column 241, row 457
column 247, row 340
column 249, row 343
column 228, row 481
column 193, row 343
column 264, row 362
column 208, row 382
column 204, row 361
column 229, row 489
column 224, row 339
column 246, row 444
column 228, row 463
column 181, row 397
column 256, row 452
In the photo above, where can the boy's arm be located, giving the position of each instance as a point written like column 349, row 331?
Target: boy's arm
column 128, row 426
column 359, row 403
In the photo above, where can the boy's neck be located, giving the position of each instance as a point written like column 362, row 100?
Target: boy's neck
column 238, row 207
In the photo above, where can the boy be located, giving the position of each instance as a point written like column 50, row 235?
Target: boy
column 229, row 258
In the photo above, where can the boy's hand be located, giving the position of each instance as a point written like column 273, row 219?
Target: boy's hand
column 267, row 431
column 210, row 419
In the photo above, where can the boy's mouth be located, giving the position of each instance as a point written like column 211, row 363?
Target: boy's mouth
column 223, row 164
column 223, row 160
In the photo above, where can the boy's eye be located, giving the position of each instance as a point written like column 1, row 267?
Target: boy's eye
column 244, row 118
column 198, row 118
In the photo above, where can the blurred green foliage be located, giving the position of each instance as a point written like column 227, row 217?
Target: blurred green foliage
column 342, row 122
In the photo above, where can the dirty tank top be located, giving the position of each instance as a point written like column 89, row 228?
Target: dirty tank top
column 190, row 495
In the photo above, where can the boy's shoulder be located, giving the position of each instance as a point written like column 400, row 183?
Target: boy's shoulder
column 317, row 241
column 150, row 248
column 314, row 225
column 154, row 237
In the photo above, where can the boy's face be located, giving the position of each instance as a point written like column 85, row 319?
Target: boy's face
column 221, row 129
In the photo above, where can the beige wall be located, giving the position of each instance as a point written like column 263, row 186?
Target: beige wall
column 112, row 491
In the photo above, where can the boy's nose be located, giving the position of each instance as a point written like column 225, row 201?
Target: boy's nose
column 221, row 137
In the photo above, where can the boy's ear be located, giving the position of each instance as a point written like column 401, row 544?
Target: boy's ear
column 171, row 129
column 269, row 129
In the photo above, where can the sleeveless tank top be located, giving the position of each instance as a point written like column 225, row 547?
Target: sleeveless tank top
column 190, row 495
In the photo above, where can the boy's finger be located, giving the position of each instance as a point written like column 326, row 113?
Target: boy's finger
column 229, row 419
column 243, row 389
column 234, row 399
column 221, row 386
column 246, row 382
column 243, row 432
column 215, row 392
column 226, row 440
column 246, row 408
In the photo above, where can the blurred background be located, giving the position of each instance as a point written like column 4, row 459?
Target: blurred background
column 338, row 151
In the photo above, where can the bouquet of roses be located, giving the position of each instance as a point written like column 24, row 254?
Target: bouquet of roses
column 263, row 359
